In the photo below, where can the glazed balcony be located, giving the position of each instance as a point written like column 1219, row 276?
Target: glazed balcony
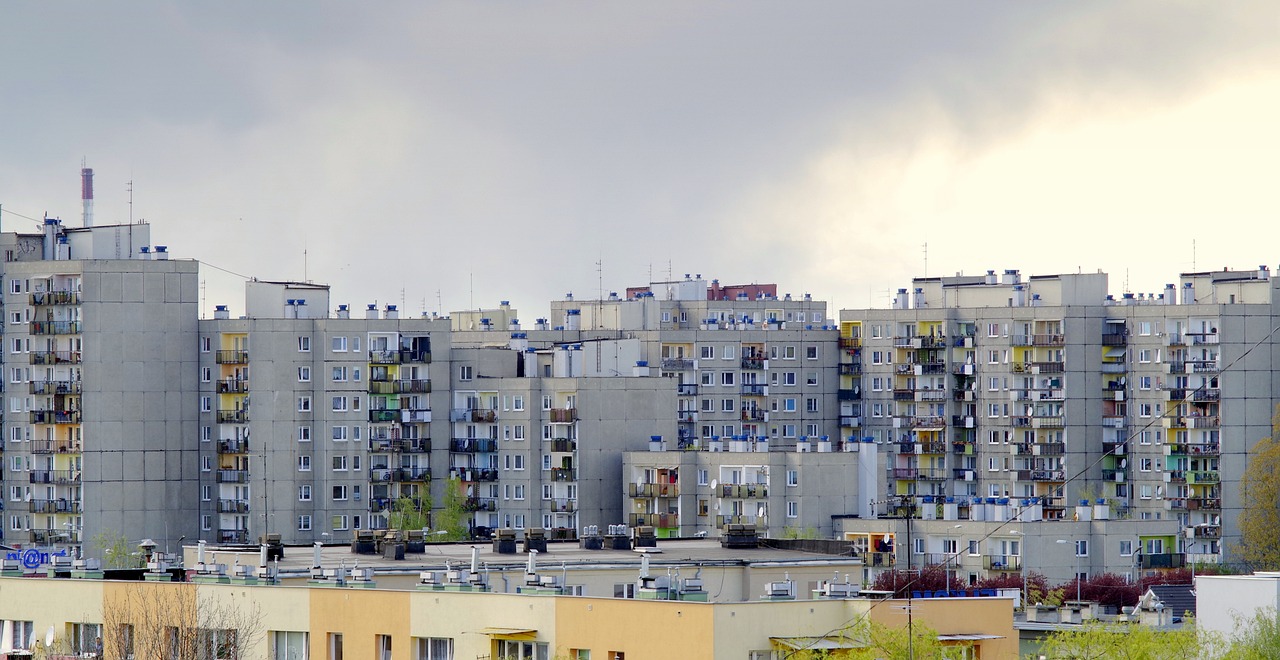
column 55, row 416
column 54, row 327
column 54, row 357
column 233, row 506
column 55, row 298
column 55, row 387
column 232, row 357
column 233, row 386
column 54, row 506
column 233, row 416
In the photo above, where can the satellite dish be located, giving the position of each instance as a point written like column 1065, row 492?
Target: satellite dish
column 714, row 484
column 760, row 512
column 48, row 637
column 1123, row 463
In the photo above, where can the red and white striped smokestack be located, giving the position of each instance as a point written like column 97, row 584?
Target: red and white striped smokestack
column 86, row 194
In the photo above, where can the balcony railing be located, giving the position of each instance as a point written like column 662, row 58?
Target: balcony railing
column 1002, row 562
column 1162, row 560
column 473, row 445
column 55, row 298
column 739, row 491
column 415, row 415
column 55, row 387
column 754, row 415
column 233, row 386
column 233, row 506
column 850, row 368
column 653, row 490
column 403, row 386
column 754, row 363
column 687, row 389
column 55, row 357
column 563, row 505
column 232, row 357
column 233, row 536
column 54, row 506
column 384, row 415
column 233, row 416
column 564, row 474
column 755, row 389
column 55, row 327
column 54, row 447
column 563, row 415
column 1204, row 449
column 562, row 445
column 663, row 520
column 54, row 476
column 233, row 446
column 676, row 364
column 850, row 343
column 881, row 559
column 233, row 476
column 55, row 416
column 1207, row 531
column 473, row 474
column 480, row 504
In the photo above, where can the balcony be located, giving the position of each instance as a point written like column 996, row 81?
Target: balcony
column 1162, row 560
column 1206, row 395
column 1048, row 340
column 676, row 364
column 653, row 490
column 472, row 474
column 1049, row 448
column 1202, row 478
column 54, row 357
column 687, row 389
column 931, row 474
column 1055, row 422
column 415, row 415
column 1114, row 339
column 564, row 474
column 1117, row 448
column 233, row 476
column 904, row 395
column 54, row 327
column 848, row 395
column 1204, row 504
column 1115, row 475
column 754, row 415
column 743, row 490
column 1047, row 367
column 232, row 357
column 54, row 476
column 1204, row 449
column 964, row 422
column 384, row 357
column 233, row 506
column 54, row 447
column 54, row 506
column 738, row 519
column 473, row 445
column 686, row 416
column 906, row 473
column 480, row 504
column 411, row 474
column 753, row 363
column 233, row 446
column 563, row 415
column 55, row 298
column 962, row 447
column 379, row 504
column 233, row 416
column 562, row 445
column 233, row 386
column 850, row 343
column 55, row 416
column 852, row 421
column 55, row 387
column 384, row 415
column 755, row 389
column 880, row 559
column 1002, row 562
column 1207, row 531
column 563, row 505
column 663, row 520
column 240, row 536
column 850, row 368
column 402, row 386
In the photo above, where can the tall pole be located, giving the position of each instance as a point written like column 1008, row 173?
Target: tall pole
column 911, row 505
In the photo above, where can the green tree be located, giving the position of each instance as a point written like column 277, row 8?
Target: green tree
column 408, row 513
column 883, row 642
column 1099, row 641
column 1256, row 637
column 115, row 550
column 1259, row 546
column 452, row 516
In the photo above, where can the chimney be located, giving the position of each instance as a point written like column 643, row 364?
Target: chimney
column 162, row 253
column 221, row 312
column 391, row 312
column 371, row 312
column 86, row 193
column 344, row 311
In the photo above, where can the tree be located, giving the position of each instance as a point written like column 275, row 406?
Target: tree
column 177, row 620
column 1099, row 641
column 115, row 550
column 1259, row 546
column 1256, row 637
column 892, row 644
column 408, row 513
column 452, row 517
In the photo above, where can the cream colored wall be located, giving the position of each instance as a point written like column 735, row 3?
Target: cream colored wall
column 51, row 603
column 643, row 630
column 744, row 627
column 360, row 615
column 985, row 616
column 462, row 615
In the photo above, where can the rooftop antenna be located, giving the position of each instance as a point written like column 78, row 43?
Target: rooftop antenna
column 926, row 259
column 204, row 297
column 439, row 303
column 130, row 189
column 1193, row 255
column 304, row 262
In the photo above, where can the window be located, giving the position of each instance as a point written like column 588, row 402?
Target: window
column 702, row 477
column 289, row 645
column 206, row 463
column 338, row 523
column 24, row 633
column 811, row 352
column 793, row 478
column 950, row 546
column 707, row 352
column 335, row 645
column 918, row 546
column 432, row 648
column 304, row 463
column 1144, row 382
column 206, row 433
column 339, row 404
column 1126, row 548
column 304, row 525
column 304, row 374
column 206, row 522
column 206, row 493
column 340, row 433
column 339, row 463
column 708, row 405
column 510, row 648
column 793, row 509
column 517, row 403
column 1082, row 548
column 206, row 404
column 205, row 345
column 304, row 434
column 811, row 405
column 206, row 374
column 708, row 377
column 788, row 405
column 1144, row 355
column 973, row 548
column 519, row 493
column 789, row 378
column 727, row 405
column 465, row 372
column 339, row 344
column 304, row 493
column 339, row 493
column 304, row 344
column 304, row 404
column 727, row 378
column 339, row 374
column 811, row 378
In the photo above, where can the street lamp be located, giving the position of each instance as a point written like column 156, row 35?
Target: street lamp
column 1077, row 568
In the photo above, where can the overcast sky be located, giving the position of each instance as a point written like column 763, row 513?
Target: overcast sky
column 454, row 155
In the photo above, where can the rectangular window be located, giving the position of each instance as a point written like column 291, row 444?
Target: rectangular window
column 707, row 352
column 339, row 404
column 793, row 509
column 304, row 404
column 727, row 378
column 304, row 493
column 206, row 374
column 339, row 344
column 304, row 524
column 339, row 463
column 304, row 463
column 793, row 478
column 1082, row 548
column 339, row 374
column 339, row 493
column 1126, row 548
column 289, row 645
column 206, row 522
column 304, row 344
column 338, row 523
column 206, row 404
column 465, row 372
column 433, row 648
column 304, row 434
column 304, row 374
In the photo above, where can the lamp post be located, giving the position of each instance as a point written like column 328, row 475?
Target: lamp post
column 1077, row 568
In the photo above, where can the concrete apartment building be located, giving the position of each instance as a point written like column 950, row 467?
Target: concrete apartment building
column 99, row 360
column 995, row 396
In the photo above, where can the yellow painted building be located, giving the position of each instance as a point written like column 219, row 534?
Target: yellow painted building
column 343, row 623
